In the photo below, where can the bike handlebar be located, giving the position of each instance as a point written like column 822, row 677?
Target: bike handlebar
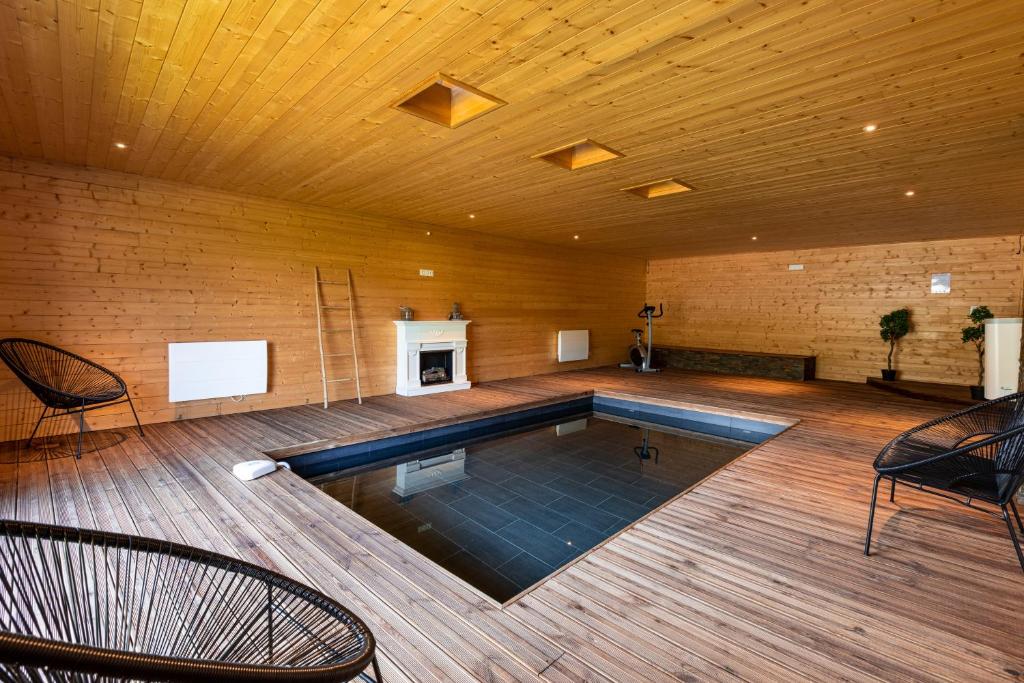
column 643, row 311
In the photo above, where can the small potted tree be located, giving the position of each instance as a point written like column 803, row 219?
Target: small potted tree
column 894, row 326
column 975, row 334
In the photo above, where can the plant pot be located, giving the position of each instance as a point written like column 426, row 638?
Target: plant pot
column 978, row 393
column 889, row 375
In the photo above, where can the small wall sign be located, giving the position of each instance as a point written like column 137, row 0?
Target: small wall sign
column 941, row 283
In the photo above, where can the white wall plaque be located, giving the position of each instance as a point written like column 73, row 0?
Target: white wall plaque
column 941, row 283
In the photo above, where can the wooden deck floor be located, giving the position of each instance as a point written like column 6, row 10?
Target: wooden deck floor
column 757, row 574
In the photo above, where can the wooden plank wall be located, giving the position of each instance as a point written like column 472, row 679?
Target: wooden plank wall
column 114, row 266
column 752, row 302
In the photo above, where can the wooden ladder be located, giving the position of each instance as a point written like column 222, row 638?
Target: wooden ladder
column 321, row 332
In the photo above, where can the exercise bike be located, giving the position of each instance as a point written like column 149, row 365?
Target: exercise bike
column 639, row 355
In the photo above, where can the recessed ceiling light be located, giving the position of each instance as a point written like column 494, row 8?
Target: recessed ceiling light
column 120, row 145
column 658, row 188
column 579, row 154
column 447, row 101
column 909, row 193
column 575, row 237
column 870, row 128
column 754, row 238
column 472, row 215
column 428, row 233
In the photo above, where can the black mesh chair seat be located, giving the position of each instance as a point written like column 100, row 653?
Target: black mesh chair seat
column 79, row 605
column 975, row 454
column 63, row 381
column 101, row 386
column 966, row 475
column 59, row 378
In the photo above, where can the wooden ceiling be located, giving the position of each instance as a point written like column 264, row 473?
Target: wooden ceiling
column 759, row 106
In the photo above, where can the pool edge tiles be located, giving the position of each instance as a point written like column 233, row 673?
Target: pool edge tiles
column 731, row 425
column 367, row 452
column 742, row 426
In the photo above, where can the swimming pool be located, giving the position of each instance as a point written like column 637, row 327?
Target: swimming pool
column 505, row 505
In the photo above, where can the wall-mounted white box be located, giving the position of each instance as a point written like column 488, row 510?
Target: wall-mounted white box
column 197, row 370
column 573, row 345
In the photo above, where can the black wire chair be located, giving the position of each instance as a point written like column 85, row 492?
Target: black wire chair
column 80, row 605
column 975, row 454
column 63, row 381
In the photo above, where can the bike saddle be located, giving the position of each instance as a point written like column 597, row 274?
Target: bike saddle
column 636, row 331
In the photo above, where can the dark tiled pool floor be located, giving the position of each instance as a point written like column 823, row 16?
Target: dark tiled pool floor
column 533, row 501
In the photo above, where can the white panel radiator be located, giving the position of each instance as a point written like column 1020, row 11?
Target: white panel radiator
column 573, row 345
column 216, row 369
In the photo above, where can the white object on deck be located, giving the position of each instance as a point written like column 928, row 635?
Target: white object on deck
column 573, row 345
column 199, row 370
column 1002, row 356
column 254, row 469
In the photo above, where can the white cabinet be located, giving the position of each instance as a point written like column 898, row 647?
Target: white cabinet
column 1002, row 356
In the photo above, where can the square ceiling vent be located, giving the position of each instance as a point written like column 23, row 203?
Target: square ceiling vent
column 658, row 188
column 579, row 154
column 447, row 101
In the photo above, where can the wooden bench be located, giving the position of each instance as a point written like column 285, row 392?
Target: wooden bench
column 749, row 363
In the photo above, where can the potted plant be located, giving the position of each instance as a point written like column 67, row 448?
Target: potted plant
column 894, row 326
column 975, row 334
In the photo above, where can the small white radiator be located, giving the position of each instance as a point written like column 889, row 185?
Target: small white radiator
column 199, row 370
column 573, row 345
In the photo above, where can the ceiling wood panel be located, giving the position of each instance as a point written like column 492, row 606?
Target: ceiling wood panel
column 757, row 104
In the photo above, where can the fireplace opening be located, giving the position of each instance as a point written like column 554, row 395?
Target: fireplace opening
column 435, row 367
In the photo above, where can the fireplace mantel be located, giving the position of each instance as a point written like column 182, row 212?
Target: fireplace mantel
column 418, row 336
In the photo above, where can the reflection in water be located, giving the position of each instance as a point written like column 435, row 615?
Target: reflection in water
column 423, row 475
column 645, row 450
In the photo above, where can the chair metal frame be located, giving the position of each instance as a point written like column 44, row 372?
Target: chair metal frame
column 86, row 605
column 64, row 403
column 986, row 441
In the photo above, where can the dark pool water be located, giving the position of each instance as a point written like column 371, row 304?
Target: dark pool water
column 505, row 512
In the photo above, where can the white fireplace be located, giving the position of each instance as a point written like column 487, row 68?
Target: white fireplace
column 431, row 356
